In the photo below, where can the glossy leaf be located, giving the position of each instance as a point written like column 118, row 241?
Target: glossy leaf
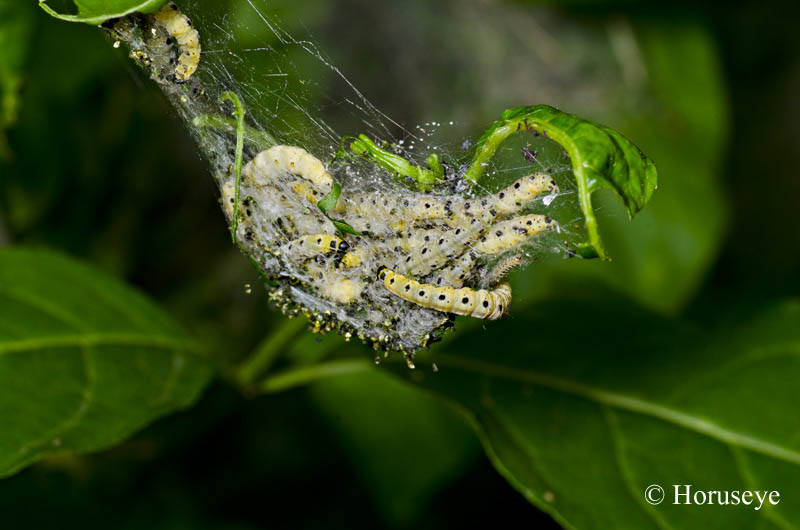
column 600, row 157
column 98, row 11
column 607, row 399
column 84, row 360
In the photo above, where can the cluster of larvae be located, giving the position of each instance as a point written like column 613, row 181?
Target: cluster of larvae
column 416, row 259
column 415, row 253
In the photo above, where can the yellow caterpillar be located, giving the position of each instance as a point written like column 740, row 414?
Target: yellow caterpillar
column 268, row 166
column 308, row 246
column 333, row 285
column 404, row 210
column 502, row 237
column 506, row 235
column 179, row 27
column 482, row 303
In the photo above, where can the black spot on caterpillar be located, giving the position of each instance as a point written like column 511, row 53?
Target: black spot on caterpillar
column 490, row 304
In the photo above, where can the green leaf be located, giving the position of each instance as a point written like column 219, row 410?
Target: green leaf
column 329, row 201
column 601, row 399
column 345, row 228
column 98, row 11
column 600, row 157
column 84, row 360
column 16, row 22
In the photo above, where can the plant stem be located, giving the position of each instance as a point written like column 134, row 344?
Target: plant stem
column 238, row 113
column 308, row 374
column 268, row 351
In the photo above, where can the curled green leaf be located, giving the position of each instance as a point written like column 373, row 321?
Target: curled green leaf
column 98, row 11
column 600, row 157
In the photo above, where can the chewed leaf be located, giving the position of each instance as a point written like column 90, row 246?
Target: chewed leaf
column 600, row 157
column 98, row 11
column 84, row 361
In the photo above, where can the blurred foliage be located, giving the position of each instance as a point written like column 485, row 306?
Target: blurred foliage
column 15, row 33
column 102, row 171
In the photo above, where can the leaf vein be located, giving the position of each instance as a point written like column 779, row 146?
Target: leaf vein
column 629, row 403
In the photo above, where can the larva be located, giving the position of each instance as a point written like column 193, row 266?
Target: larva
column 333, row 285
column 268, row 166
column 179, row 28
column 397, row 213
column 502, row 237
column 501, row 268
column 430, row 249
column 309, row 246
column 482, row 303
column 508, row 234
column 512, row 198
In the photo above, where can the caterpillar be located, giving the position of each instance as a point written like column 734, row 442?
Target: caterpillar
column 502, row 237
column 430, row 249
column 508, row 234
column 179, row 27
column 422, row 208
column 268, row 166
column 489, row 304
column 309, row 246
column 333, row 285
column 501, row 268
column 439, row 240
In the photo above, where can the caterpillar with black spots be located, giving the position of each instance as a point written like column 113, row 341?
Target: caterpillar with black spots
column 180, row 29
column 482, row 303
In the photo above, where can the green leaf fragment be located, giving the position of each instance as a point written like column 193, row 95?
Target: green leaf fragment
column 84, row 360
column 425, row 179
column 98, row 11
column 328, row 203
